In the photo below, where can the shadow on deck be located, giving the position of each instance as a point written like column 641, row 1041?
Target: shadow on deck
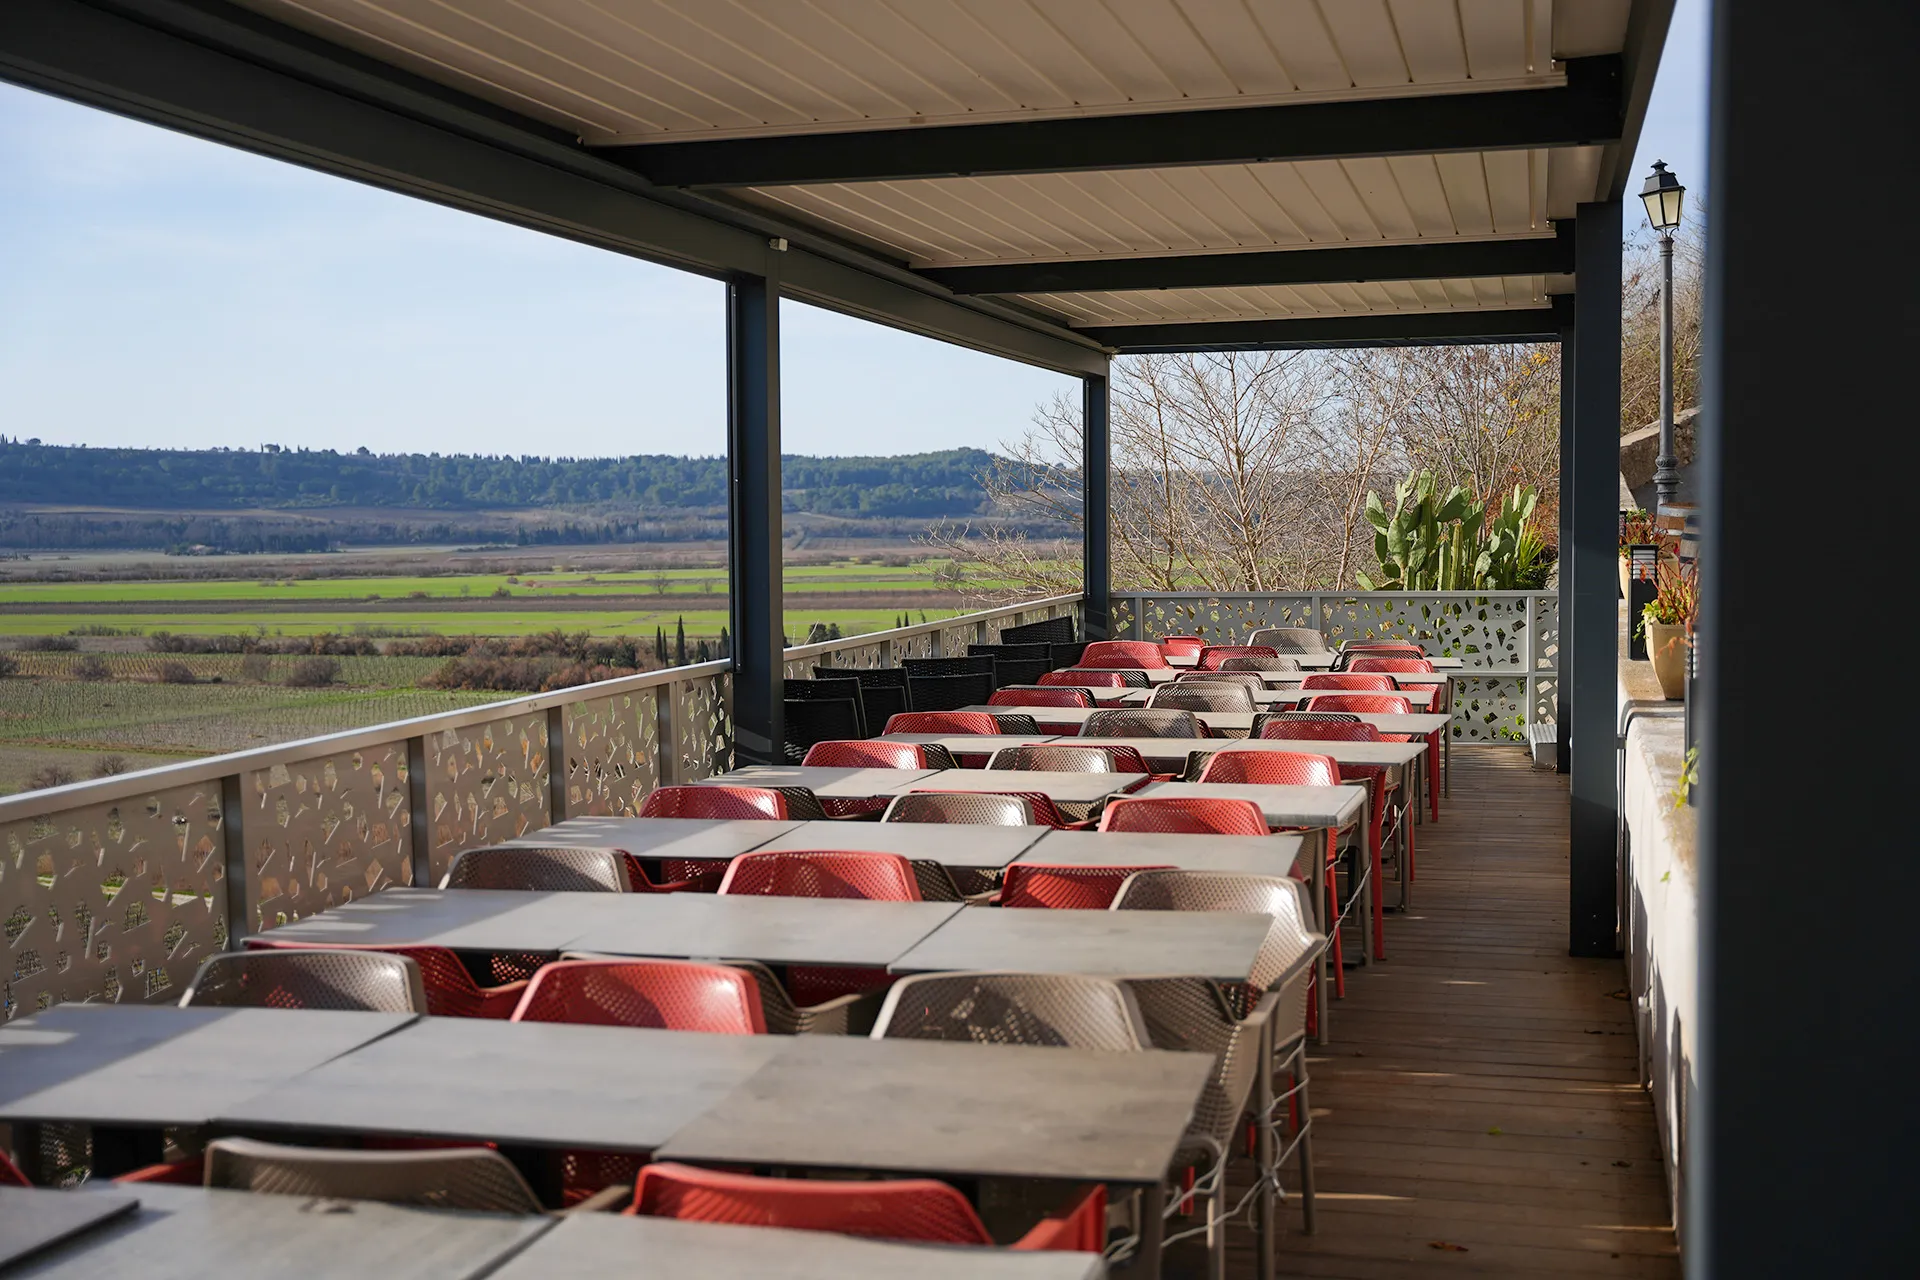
column 1479, row 1109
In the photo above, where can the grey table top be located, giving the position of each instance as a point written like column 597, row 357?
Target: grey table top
column 605, row 1246
column 189, row 1233
column 1307, row 661
column 1218, row 945
column 1177, row 749
column 1254, row 855
column 832, row 931
column 162, row 1065
column 971, row 744
column 700, row 838
column 1421, row 697
column 1074, row 788
column 541, row 1083
column 918, row 1106
column 839, row 784
column 953, row 845
column 474, row 919
column 1283, row 806
column 36, row 1218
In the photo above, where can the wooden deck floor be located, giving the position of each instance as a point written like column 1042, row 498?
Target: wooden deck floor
column 1477, row 1110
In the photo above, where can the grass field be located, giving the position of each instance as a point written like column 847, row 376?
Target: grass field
column 699, row 622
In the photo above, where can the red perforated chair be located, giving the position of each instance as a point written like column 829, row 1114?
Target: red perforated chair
column 1212, row 656
column 1183, row 646
column 822, row 873
column 1088, row 679
column 1124, row 653
column 975, row 722
column 865, row 753
column 451, row 989
column 1378, row 704
column 1272, row 769
column 716, row 801
column 1409, row 665
column 1383, row 648
column 917, row 1209
column 1064, row 888
column 676, row 995
column 1042, row 697
column 10, row 1175
column 1351, row 682
column 1185, row 815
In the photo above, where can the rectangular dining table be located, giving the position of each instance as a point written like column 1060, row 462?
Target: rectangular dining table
column 1275, row 855
column 1218, row 945
column 827, row 783
column 699, row 839
column 966, row 747
column 34, row 1220
column 949, row 844
column 1058, row 786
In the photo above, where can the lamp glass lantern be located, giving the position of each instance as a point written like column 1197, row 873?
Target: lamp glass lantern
column 1662, row 194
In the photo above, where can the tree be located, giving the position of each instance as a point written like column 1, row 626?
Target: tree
column 1640, row 327
column 680, row 643
column 660, row 645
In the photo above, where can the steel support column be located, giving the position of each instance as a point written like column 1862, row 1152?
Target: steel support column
column 1096, row 494
column 754, row 528
column 1590, row 584
column 1563, row 710
column 1831, row 1192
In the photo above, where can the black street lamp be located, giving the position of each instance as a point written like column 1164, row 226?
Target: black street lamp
column 1662, row 195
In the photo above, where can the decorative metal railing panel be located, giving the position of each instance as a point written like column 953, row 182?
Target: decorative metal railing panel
column 1508, row 640
column 485, row 783
column 113, row 900
column 703, row 727
column 610, row 750
column 948, row 637
column 324, row 831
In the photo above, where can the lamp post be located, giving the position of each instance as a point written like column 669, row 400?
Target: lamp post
column 1662, row 196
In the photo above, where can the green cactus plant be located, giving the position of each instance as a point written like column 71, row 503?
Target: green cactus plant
column 1430, row 543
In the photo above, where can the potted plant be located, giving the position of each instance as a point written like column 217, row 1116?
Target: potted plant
column 1668, row 625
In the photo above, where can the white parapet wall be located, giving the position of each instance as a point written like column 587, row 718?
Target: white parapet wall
column 1661, row 908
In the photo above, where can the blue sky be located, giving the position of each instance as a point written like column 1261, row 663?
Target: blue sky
column 159, row 290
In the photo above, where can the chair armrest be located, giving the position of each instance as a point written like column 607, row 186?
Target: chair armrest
column 604, row 1200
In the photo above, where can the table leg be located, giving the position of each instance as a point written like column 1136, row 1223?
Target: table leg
column 1369, row 905
column 1323, row 991
column 1153, row 1227
column 1435, row 748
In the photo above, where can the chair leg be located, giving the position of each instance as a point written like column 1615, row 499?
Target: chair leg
column 1378, row 895
column 1433, row 774
column 1333, row 927
column 1303, row 1127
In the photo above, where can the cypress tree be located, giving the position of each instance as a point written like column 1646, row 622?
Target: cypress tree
column 680, row 643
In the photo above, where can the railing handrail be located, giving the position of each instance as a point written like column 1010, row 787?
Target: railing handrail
column 800, row 652
column 122, row 786
column 1137, row 593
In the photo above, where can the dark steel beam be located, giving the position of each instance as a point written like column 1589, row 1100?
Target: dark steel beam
column 1545, row 255
column 1590, row 586
column 221, row 73
column 1443, row 328
column 1096, row 505
column 1583, row 112
column 1563, row 718
column 758, row 602
column 1831, row 1193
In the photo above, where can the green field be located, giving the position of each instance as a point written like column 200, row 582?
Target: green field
column 699, row 622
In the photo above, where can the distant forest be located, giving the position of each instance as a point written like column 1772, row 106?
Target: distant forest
column 914, row 486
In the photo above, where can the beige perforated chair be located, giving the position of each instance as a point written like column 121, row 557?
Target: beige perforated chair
column 559, row 870
column 473, row 1178
column 840, row 1016
column 1245, row 679
column 1081, row 1012
column 1201, row 696
column 1280, row 980
column 316, row 978
column 1260, row 662
column 1291, row 639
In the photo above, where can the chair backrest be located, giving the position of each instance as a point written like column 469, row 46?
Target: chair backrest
column 867, row 753
column 1198, row 696
column 1183, row 646
column 718, row 800
column 1045, row 631
column 972, row 665
column 1281, row 663
column 1212, row 656
column 883, row 690
column 1039, row 804
column 1361, row 682
column 1189, row 815
column 537, row 869
column 1272, row 768
column 1064, row 758
column 1378, row 704
column 1288, row 901
column 1282, row 728
column 973, row 808
column 1072, row 1011
column 950, row 693
column 675, row 995
column 451, row 991
column 1062, row 887
column 1016, row 723
column 1124, row 653
column 1002, row 652
column 805, row 723
column 1027, row 695
column 473, row 1178
column 311, row 978
column 917, row 1209
column 1409, row 665
column 1376, row 649
column 1290, row 639
column 844, row 687
column 943, row 722
column 1136, row 722
column 822, row 873
column 1240, row 679
column 1089, row 679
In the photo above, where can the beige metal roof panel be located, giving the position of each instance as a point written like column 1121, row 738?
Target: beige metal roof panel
column 1201, row 209
column 660, row 70
column 1155, row 306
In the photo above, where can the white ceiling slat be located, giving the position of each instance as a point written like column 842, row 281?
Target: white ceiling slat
column 897, row 53
column 1496, row 34
column 1573, row 174
column 999, row 67
column 1387, row 208
column 1582, row 28
column 1165, row 35
column 1299, row 37
column 1105, row 43
column 1050, row 51
column 1270, row 222
column 1239, row 44
column 1465, row 178
column 1289, row 190
column 1509, row 189
column 1418, row 179
column 1369, row 47
column 1430, row 40
column 1328, row 181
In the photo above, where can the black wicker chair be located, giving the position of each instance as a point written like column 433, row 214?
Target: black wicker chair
column 883, row 690
column 949, row 693
column 837, row 689
column 1046, row 631
column 808, row 721
column 921, row 668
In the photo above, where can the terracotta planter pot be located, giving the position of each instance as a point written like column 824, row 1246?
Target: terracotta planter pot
column 1667, row 650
